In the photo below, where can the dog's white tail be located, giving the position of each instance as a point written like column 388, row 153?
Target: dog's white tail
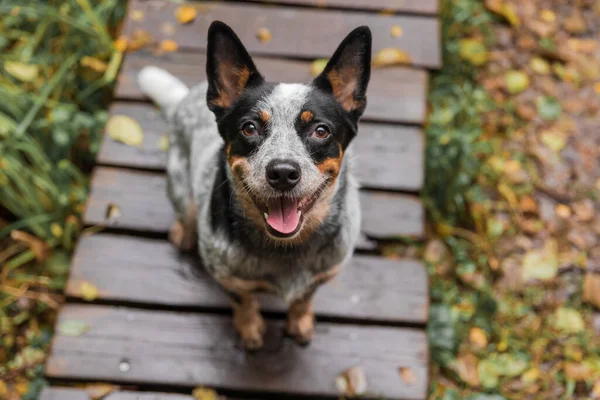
column 163, row 88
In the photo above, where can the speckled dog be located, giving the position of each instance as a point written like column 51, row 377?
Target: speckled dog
column 259, row 174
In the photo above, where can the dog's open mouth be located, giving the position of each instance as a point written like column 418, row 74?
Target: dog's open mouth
column 284, row 215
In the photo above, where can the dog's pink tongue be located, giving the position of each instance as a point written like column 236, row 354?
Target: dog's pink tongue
column 283, row 215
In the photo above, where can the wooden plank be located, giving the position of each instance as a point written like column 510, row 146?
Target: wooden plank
column 416, row 7
column 296, row 32
column 186, row 349
column 151, row 271
column 382, row 151
column 395, row 94
column 58, row 393
column 142, row 199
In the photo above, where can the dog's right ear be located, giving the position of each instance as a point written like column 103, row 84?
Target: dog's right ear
column 229, row 68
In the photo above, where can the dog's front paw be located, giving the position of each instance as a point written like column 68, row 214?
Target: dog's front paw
column 251, row 333
column 302, row 328
column 181, row 237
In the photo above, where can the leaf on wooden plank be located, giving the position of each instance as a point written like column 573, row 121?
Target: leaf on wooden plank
column 203, row 393
column 72, row 327
column 408, row 375
column 317, row 66
column 168, row 46
column 139, row 39
column 568, row 320
column 113, row 213
column 541, row 263
column 88, row 291
column 396, row 31
column 125, row 129
column 473, row 50
column 137, row 15
column 352, row 382
column 264, row 35
column 99, row 391
column 185, row 14
column 549, row 108
column 390, row 56
column 516, row 81
column 163, row 143
column 21, row 71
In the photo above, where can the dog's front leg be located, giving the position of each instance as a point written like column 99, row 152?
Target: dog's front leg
column 301, row 319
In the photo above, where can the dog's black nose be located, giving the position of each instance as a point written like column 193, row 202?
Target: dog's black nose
column 283, row 175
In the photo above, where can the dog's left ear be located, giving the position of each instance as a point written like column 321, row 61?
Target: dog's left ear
column 347, row 73
column 229, row 68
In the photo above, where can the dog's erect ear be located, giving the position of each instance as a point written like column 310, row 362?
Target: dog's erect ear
column 229, row 67
column 347, row 73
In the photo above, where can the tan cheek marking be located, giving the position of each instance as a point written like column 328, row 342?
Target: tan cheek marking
column 344, row 83
column 332, row 165
column 307, row 116
column 264, row 116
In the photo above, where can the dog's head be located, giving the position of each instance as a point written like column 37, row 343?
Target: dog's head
column 285, row 142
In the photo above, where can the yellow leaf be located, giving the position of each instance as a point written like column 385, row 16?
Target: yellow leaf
column 125, row 129
column 168, row 45
column 121, row 44
column 185, row 14
column 113, row 212
column 563, row 211
column 352, row 381
column 397, row 31
column 541, row 263
column 137, row 15
column 202, row 393
column 264, row 35
column 390, row 56
column 473, row 50
column 21, row 71
column 478, row 337
column 568, row 320
column 99, row 391
column 163, row 143
column 22, row 387
column 504, row 9
column 540, row 66
column 88, row 291
column 530, row 376
column 408, row 375
column 317, row 66
column 548, row 16
column 516, row 81
column 554, row 139
column 56, row 229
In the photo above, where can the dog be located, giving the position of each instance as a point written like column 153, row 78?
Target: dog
column 260, row 175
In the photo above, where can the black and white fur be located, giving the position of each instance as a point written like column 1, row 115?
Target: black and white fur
column 217, row 168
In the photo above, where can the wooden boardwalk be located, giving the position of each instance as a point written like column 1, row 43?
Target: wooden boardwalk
column 159, row 323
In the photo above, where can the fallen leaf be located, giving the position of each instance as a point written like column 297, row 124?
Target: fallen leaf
column 478, row 338
column 528, row 205
column 98, row 391
column 317, row 66
column 578, row 371
column 125, row 129
column 56, row 230
column 548, row 16
column 466, row 368
column 390, row 56
column 575, row 22
column 168, row 46
column 563, row 211
column 121, row 44
column 408, row 375
column 264, row 35
column 568, row 320
column 88, row 291
column 497, row 365
column 113, row 212
column 185, row 14
column 396, row 31
column 584, row 210
column 139, row 39
column 137, row 15
column 539, row 66
column 21, row 71
column 516, row 81
column 548, row 107
column 530, row 376
column 202, row 393
column 163, row 143
column 541, row 263
column 352, row 382
column 503, row 9
column 554, row 139
column 473, row 50
column 40, row 249
column 167, row 28
column 72, row 327
column 591, row 289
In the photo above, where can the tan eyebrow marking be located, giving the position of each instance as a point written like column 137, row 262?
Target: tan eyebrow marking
column 264, row 116
column 307, row 116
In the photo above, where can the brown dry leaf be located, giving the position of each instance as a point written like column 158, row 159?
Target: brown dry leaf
column 408, row 375
column 317, row 66
column 578, row 371
column 563, row 211
column 352, row 382
column 466, row 368
column 185, row 14
column 125, row 129
column 137, row 15
column 168, row 46
column 40, row 249
column 390, row 56
column 514, row 171
column 264, row 35
column 98, row 391
column 591, row 289
column 88, row 291
column 478, row 337
column 202, row 393
column 93, row 63
column 396, row 31
column 528, row 205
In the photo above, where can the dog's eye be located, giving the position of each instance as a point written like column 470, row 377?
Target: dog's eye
column 321, row 132
column 249, row 129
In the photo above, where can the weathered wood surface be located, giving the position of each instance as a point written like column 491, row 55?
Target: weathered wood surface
column 64, row 393
column 296, row 32
column 399, row 6
column 142, row 199
column 386, row 156
column 151, row 271
column 186, row 349
column 395, row 94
